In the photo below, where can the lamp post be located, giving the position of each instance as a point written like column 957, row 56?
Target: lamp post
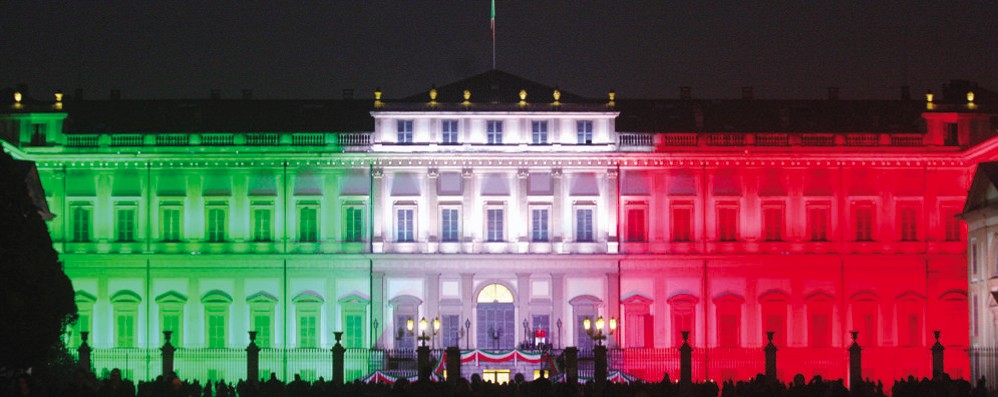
column 559, row 332
column 467, row 333
column 598, row 335
column 423, row 352
column 374, row 335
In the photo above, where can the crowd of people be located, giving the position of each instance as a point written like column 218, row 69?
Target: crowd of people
column 85, row 384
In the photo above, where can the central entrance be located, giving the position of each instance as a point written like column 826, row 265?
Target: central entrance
column 496, row 324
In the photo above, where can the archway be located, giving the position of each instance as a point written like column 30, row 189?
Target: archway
column 496, row 323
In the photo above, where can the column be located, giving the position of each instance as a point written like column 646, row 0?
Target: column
column 467, row 306
column 168, row 351
column 432, row 303
column 770, row 351
column 338, row 352
column 686, row 360
column 431, row 213
column 523, row 303
column 612, row 211
column 378, row 307
column 471, row 212
column 252, row 359
column 557, row 206
column 558, row 308
column 84, row 352
column 937, row 356
column 379, row 207
column 855, row 363
column 453, row 364
column 612, row 303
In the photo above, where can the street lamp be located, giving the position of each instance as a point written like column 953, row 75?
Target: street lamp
column 597, row 332
column 423, row 336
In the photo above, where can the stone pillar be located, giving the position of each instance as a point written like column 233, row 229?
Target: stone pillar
column 855, row 363
column 937, row 356
column 686, row 359
column 338, row 352
column 252, row 359
column 423, row 363
column 453, row 364
column 599, row 368
column 612, row 303
column 168, row 351
column 378, row 309
column 572, row 365
column 770, row 350
column 84, row 352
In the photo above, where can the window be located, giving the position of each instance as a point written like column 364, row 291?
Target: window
column 864, row 320
column 729, row 320
column 819, row 320
column 262, row 224
column 682, row 223
column 863, row 220
column 584, row 130
column 539, row 132
column 449, row 132
column 84, row 323
column 774, row 317
column 639, row 325
column 81, row 223
column 539, row 224
column 450, row 330
column 216, row 315
column 908, row 218
column 636, row 225
column 216, row 224
column 683, row 317
column 307, row 337
column 727, row 223
column 353, row 309
column 126, row 315
column 262, row 317
column 494, row 225
column 405, row 225
column 817, row 223
column 450, row 224
column 354, row 224
column 909, row 321
column 125, row 223
column 308, row 223
column 494, row 132
column 170, row 223
column 952, row 226
column 584, row 224
column 772, row 223
column 404, row 131
column 171, row 316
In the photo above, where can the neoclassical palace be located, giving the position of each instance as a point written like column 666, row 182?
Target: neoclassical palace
column 511, row 212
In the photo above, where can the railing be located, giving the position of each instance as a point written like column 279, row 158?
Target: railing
column 126, row 140
column 173, row 140
column 635, row 139
column 217, row 139
column 862, row 140
column 679, row 139
column 308, row 140
column 817, row 140
column 726, row 140
column 82, row 140
column 262, row 139
column 906, row 140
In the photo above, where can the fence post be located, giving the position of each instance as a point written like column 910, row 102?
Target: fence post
column 252, row 359
column 84, row 352
column 423, row 363
column 599, row 370
column 338, row 353
column 453, row 364
column 770, row 350
column 855, row 363
column 686, row 360
column 572, row 365
column 167, row 350
column 937, row 356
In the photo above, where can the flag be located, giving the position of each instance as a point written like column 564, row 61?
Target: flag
column 493, row 21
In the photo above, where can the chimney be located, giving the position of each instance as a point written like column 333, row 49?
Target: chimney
column 685, row 93
column 833, row 93
column 247, row 94
column 747, row 93
column 78, row 94
column 348, row 93
column 216, row 93
column 906, row 93
column 115, row 94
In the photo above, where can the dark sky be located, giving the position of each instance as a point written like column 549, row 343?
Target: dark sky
column 785, row 49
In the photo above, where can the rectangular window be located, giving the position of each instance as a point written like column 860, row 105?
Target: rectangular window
column 216, row 224
column 307, row 334
column 493, row 132
column 171, row 223
column 216, row 330
column 772, row 223
column 817, row 223
column 863, row 221
column 727, row 223
column 584, row 131
column 125, row 330
column 354, row 331
column 494, row 225
column 584, row 224
column 450, row 330
column 539, row 132
column 728, row 325
column 82, row 324
column 308, row 224
column 405, row 225
column 636, row 225
column 404, row 131
column 539, row 224
column 908, row 219
column 354, row 224
column 261, row 324
column 81, row 224
column 448, row 132
column 682, row 223
column 953, row 226
column 261, row 224
column 125, row 224
column 450, row 221
column 821, row 330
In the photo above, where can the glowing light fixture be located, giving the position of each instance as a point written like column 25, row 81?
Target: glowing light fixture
column 523, row 97
column 377, row 98
column 970, row 96
column 433, row 95
column 17, row 96
column 929, row 96
column 436, row 324
column 422, row 324
column 557, row 96
column 58, row 96
column 467, row 97
column 409, row 324
column 587, row 324
column 613, row 97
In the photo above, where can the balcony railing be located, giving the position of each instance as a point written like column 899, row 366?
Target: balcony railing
column 642, row 141
column 347, row 141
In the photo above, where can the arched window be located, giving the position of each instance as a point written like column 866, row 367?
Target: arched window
column 774, row 316
column 910, row 307
column 683, row 308
column 728, row 308
column 865, row 318
column 496, row 326
column 261, row 306
column 819, row 319
column 308, row 310
column 84, row 320
column 216, row 315
column 583, row 307
column 126, row 318
column 405, row 308
column 353, row 309
column 171, row 316
column 638, row 327
column 954, row 318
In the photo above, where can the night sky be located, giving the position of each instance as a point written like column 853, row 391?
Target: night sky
column 785, row 49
